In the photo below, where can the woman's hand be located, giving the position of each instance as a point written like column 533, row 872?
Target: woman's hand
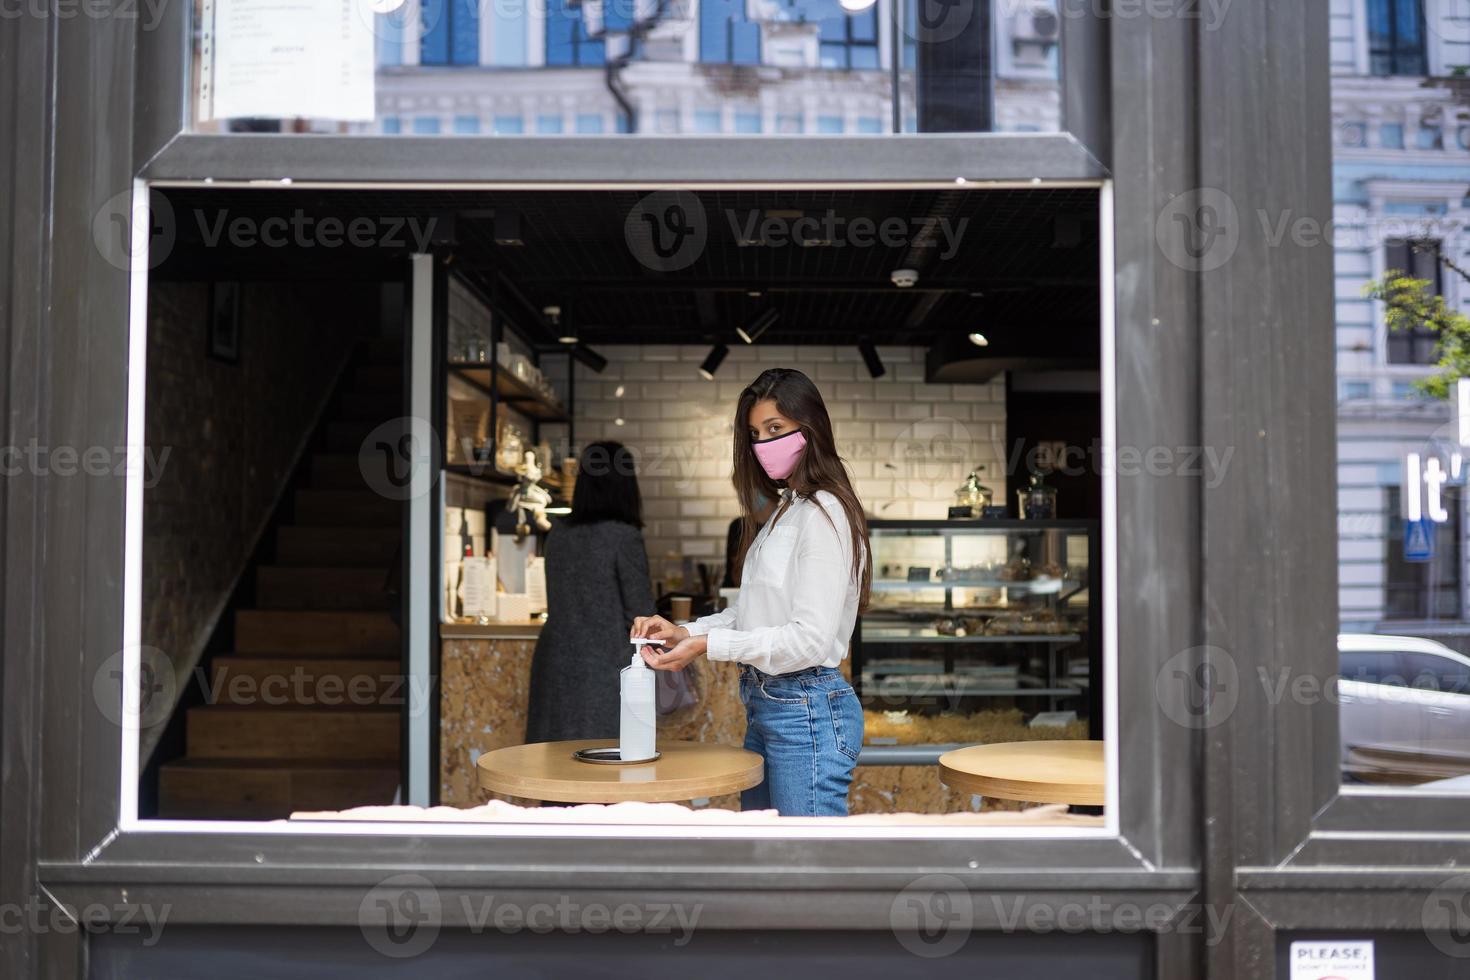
column 683, row 653
column 657, row 628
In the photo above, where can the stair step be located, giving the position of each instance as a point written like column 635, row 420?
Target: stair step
column 228, row 732
column 251, row 789
column 243, row 681
column 348, row 437
column 338, row 508
column 344, row 470
column 370, row 405
column 374, row 547
column 305, row 587
column 383, row 350
column 378, row 376
column 279, row 631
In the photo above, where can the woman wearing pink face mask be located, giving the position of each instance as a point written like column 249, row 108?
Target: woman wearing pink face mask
column 804, row 578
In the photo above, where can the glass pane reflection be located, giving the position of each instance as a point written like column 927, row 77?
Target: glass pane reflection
column 705, row 67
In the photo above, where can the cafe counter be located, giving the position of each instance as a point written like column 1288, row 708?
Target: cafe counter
column 485, row 681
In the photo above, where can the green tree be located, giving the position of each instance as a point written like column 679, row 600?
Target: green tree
column 1411, row 303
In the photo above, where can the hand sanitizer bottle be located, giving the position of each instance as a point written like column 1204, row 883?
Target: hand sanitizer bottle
column 637, row 729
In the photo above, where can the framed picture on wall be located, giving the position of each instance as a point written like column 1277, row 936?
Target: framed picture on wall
column 224, row 322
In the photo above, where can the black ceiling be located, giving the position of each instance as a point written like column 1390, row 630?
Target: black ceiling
column 1026, row 259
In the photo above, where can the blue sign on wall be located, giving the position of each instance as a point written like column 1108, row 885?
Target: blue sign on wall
column 1418, row 540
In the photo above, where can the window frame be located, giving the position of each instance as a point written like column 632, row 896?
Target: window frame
column 165, row 153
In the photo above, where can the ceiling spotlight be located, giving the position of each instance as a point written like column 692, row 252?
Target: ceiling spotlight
column 871, row 358
column 904, row 278
column 857, row 6
column 752, row 331
column 553, row 317
column 508, row 228
column 712, row 362
column 619, row 392
column 979, row 340
column 590, row 357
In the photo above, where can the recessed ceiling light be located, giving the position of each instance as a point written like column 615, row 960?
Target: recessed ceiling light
column 979, row 340
column 567, row 338
column 618, row 393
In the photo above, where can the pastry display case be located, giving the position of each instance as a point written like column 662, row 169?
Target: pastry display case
column 968, row 617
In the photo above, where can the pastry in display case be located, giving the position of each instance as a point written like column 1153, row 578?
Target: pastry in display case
column 970, row 616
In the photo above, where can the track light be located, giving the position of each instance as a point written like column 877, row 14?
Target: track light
column 871, row 358
column 566, row 334
column 590, row 357
column 712, row 362
column 752, row 331
column 508, row 228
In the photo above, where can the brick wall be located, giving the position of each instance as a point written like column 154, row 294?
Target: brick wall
column 908, row 444
column 232, row 432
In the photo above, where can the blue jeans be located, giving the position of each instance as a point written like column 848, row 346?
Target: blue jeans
column 808, row 726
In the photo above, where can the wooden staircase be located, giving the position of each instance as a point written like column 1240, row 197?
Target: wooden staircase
column 304, row 713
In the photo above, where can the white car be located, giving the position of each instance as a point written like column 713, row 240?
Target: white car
column 1405, row 716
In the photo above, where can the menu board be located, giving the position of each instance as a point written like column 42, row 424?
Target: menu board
column 289, row 59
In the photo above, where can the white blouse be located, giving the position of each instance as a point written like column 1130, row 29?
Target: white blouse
column 798, row 596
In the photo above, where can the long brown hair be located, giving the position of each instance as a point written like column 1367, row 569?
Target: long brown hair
column 818, row 468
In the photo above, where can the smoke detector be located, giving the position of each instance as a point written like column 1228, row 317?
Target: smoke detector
column 904, row 278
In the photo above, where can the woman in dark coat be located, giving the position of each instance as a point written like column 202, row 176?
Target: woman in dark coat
column 596, row 584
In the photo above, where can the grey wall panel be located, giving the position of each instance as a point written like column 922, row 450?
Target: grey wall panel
column 316, row 953
column 86, row 370
column 1158, row 590
column 1268, row 395
column 648, row 160
column 25, row 77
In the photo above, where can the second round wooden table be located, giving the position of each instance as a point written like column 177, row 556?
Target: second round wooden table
column 684, row 771
column 1066, row 771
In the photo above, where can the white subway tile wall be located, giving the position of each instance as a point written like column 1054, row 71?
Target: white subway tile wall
column 908, row 444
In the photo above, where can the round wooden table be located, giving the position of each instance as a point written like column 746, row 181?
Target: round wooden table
column 1068, row 771
column 684, row 771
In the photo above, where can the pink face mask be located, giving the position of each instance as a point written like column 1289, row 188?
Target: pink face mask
column 778, row 456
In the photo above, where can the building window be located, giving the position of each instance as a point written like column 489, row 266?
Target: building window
column 1396, row 37
column 1418, row 260
column 548, row 125
column 451, row 32
column 392, row 125
column 725, row 35
column 426, row 125
column 568, row 42
column 707, row 120
column 1423, row 589
column 747, row 122
column 509, row 126
column 589, row 123
column 1356, row 390
column 848, row 41
column 466, row 125
column 830, row 125
column 789, row 123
